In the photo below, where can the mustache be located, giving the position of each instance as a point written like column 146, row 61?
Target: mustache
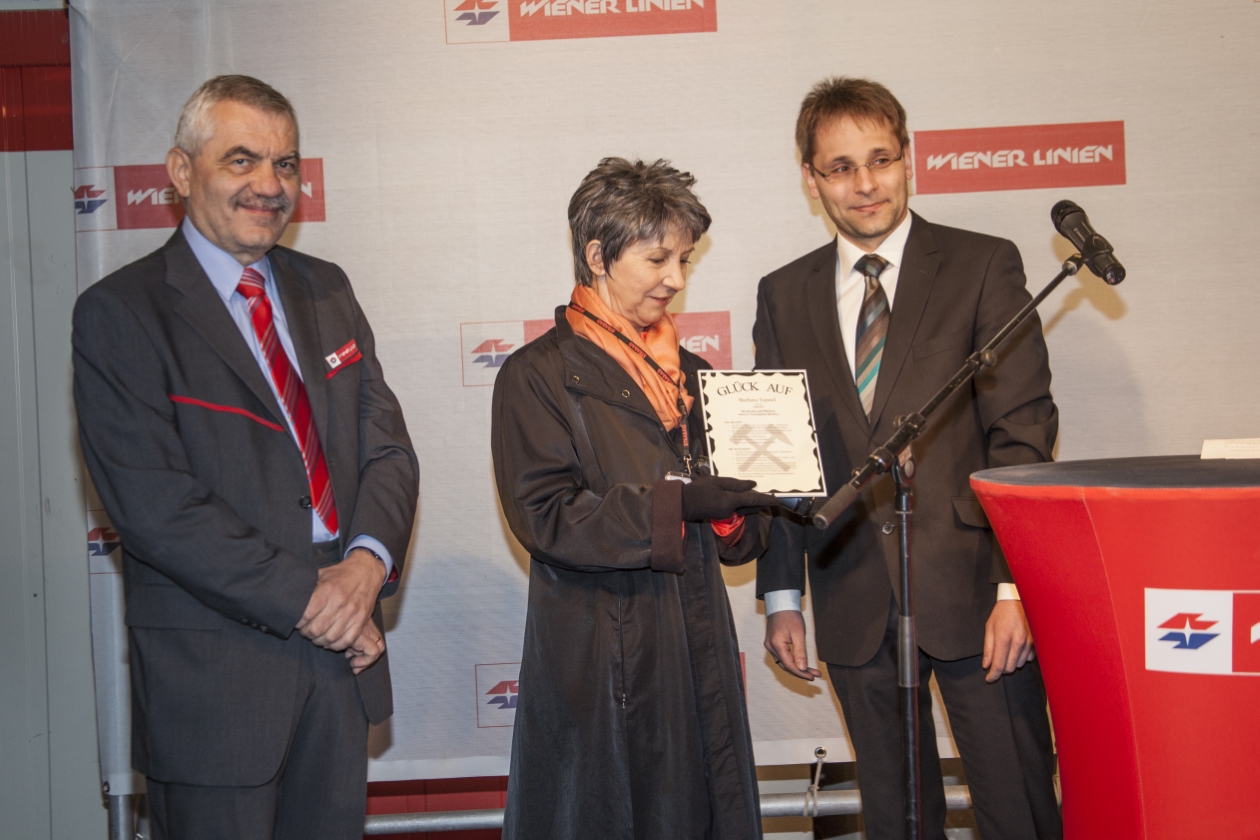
column 263, row 202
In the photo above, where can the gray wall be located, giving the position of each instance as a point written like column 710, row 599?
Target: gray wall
column 49, row 782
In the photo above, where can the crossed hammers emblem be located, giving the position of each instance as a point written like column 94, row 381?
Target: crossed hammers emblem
column 773, row 434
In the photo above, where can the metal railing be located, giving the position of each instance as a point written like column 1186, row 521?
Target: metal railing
column 829, row 802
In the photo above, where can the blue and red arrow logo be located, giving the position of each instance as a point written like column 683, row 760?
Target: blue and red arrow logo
column 504, row 694
column 1185, row 629
column 87, row 199
column 491, row 353
column 102, row 542
column 474, row 11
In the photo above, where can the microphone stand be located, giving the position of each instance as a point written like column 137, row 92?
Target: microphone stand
column 883, row 459
column 908, row 648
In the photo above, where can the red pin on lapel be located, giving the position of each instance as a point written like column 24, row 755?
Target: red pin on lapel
column 347, row 355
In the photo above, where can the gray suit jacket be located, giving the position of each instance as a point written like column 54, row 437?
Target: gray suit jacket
column 191, row 456
column 955, row 290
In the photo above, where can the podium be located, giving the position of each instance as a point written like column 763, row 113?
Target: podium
column 1141, row 581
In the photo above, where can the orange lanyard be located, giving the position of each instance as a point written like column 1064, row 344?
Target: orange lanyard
column 643, row 354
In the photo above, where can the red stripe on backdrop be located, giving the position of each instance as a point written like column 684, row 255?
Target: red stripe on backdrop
column 1019, row 157
column 35, row 37
column 532, row 20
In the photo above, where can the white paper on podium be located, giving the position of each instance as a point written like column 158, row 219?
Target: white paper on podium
column 1235, row 448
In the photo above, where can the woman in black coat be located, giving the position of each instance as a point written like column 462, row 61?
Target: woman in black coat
column 631, row 721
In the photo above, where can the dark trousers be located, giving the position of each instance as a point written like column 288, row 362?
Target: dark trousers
column 1002, row 731
column 320, row 789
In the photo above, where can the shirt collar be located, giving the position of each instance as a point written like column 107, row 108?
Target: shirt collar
column 892, row 249
column 220, row 266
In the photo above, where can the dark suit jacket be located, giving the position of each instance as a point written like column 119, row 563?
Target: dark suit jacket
column 191, row 456
column 955, row 290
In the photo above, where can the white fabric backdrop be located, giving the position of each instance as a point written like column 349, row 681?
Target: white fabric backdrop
column 447, row 168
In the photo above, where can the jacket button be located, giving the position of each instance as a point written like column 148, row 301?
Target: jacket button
column 577, row 378
column 888, row 528
column 305, row 502
column 625, row 394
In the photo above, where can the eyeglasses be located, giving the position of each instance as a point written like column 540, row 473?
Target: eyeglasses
column 844, row 172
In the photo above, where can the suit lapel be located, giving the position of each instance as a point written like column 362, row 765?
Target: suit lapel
column 824, row 317
column 919, row 265
column 299, row 312
column 203, row 310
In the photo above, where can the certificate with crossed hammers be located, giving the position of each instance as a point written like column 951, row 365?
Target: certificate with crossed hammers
column 760, row 425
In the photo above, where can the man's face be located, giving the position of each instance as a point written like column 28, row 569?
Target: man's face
column 866, row 205
column 242, row 187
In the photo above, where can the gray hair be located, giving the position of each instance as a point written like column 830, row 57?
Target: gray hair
column 621, row 202
column 195, row 127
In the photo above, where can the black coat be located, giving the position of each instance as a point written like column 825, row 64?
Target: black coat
column 631, row 721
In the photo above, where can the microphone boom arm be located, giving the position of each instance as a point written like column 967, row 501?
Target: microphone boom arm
column 909, row 427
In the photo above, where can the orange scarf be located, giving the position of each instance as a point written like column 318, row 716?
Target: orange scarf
column 659, row 340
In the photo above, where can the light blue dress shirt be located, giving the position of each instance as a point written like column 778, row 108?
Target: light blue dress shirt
column 225, row 275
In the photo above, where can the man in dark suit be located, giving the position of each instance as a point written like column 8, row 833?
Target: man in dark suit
column 235, row 421
column 881, row 318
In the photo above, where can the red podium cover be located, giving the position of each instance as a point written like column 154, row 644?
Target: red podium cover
column 1141, row 582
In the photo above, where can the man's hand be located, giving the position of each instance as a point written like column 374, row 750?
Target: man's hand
column 1007, row 640
column 785, row 639
column 366, row 649
column 343, row 601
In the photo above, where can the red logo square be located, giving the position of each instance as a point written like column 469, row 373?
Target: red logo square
column 1247, row 632
column 145, row 197
column 708, row 335
column 311, row 205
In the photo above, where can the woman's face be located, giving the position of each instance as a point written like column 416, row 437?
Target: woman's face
column 641, row 283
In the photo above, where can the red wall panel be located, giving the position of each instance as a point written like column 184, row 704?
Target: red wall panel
column 12, row 131
column 46, row 107
column 30, row 38
column 35, row 110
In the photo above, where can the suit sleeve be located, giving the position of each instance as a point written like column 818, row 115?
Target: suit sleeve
column 538, row 470
column 1016, row 409
column 389, row 473
column 165, row 515
column 751, row 543
column 782, row 566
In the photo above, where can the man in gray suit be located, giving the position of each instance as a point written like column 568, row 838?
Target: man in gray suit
column 881, row 318
column 235, row 421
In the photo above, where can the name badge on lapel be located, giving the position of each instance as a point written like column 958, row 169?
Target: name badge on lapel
column 347, row 355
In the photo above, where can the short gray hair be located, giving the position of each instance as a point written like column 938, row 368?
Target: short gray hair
column 621, row 202
column 194, row 127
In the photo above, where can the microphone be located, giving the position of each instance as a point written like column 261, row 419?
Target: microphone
column 1070, row 221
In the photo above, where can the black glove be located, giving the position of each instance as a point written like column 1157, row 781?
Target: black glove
column 718, row 497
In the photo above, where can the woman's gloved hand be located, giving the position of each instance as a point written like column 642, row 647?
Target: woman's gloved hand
column 718, row 497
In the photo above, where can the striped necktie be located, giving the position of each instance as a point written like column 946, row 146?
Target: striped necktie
column 872, row 328
column 293, row 394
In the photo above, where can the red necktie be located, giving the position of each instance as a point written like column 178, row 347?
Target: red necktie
column 293, row 393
